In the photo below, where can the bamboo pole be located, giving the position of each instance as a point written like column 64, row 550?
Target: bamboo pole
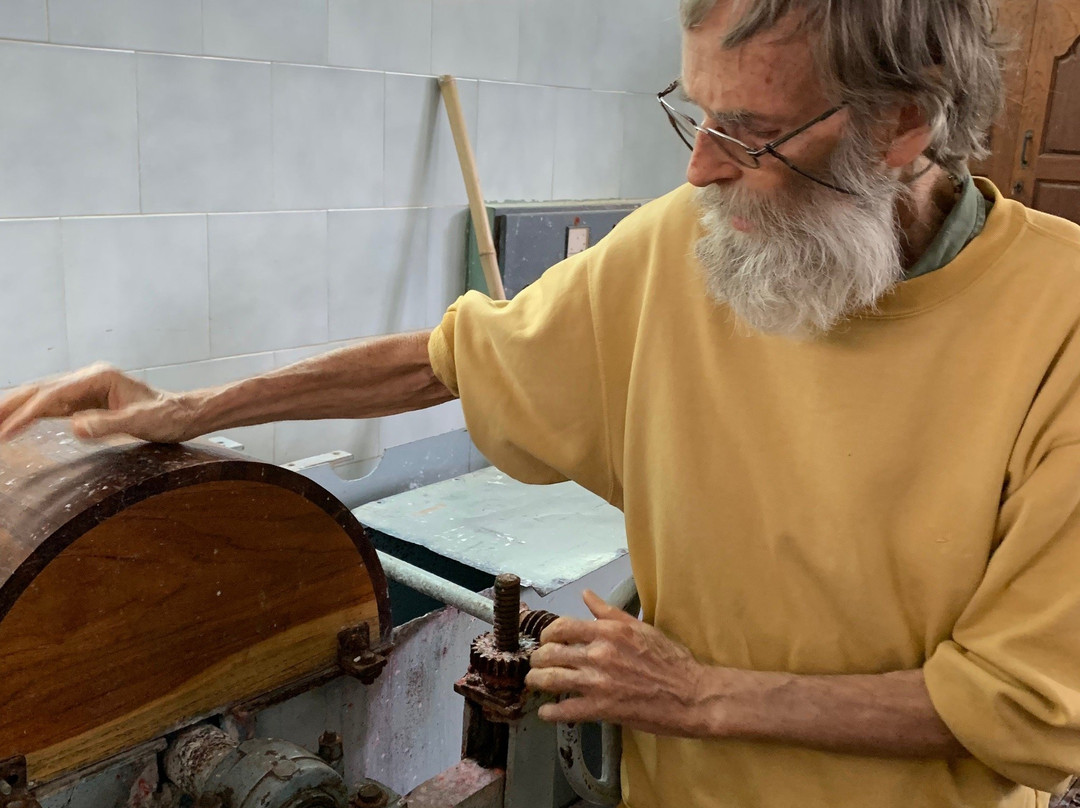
column 481, row 227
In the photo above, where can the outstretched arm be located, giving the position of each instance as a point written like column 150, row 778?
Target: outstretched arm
column 381, row 376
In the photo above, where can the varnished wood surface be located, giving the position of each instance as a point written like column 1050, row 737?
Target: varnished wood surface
column 54, row 488
column 1016, row 24
column 145, row 585
column 1049, row 98
column 255, row 670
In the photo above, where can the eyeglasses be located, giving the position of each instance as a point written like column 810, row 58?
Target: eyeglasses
column 746, row 156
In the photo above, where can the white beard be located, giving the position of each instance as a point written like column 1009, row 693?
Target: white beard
column 814, row 257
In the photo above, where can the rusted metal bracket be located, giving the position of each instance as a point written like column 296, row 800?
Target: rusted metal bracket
column 357, row 658
column 499, row 706
column 13, row 784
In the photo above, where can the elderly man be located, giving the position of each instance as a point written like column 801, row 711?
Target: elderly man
column 833, row 383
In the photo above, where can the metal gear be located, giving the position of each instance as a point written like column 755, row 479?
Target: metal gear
column 501, row 670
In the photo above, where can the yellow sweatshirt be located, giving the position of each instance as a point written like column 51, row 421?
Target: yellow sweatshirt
column 902, row 493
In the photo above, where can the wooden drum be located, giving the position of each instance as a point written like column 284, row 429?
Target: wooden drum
column 145, row 586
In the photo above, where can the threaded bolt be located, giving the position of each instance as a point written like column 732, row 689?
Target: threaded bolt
column 507, row 610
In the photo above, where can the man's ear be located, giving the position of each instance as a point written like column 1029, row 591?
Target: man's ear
column 910, row 136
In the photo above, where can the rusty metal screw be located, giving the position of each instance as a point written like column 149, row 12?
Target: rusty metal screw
column 331, row 747
column 507, row 611
column 370, row 795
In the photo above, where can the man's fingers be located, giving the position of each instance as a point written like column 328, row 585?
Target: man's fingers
column 558, row 680
column 602, row 610
column 57, row 400
column 557, row 655
column 41, row 404
column 14, row 400
column 571, row 711
column 100, row 424
column 571, row 631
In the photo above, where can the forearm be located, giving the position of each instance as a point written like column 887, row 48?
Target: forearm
column 887, row 715
column 380, row 376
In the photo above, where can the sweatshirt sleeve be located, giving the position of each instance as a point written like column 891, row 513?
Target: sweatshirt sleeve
column 1007, row 683
column 529, row 376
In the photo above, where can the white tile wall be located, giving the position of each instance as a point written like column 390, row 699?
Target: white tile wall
column 574, row 25
column 295, row 440
column 654, row 160
column 475, row 39
column 381, row 35
column 446, row 260
column 278, row 30
column 349, row 205
column 378, row 271
column 588, row 144
column 174, row 26
column 291, row 355
column 267, row 281
column 32, row 279
column 67, row 131
column 205, row 134
column 407, row 427
column 136, row 290
column 24, row 19
column 422, row 165
column 209, row 373
column 515, row 141
column 637, row 46
column 328, row 138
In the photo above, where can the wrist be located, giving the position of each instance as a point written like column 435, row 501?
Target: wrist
column 198, row 412
column 711, row 703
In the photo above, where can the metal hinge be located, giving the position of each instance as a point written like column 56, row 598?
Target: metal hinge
column 13, row 784
column 356, row 657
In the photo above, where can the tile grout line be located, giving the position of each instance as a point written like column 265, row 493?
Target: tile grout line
column 385, row 118
column 138, row 136
column 273, row 139
column 209, row 300
column 350, row 68
column 63, row 290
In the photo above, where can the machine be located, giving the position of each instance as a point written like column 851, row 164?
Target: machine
column 183, row 626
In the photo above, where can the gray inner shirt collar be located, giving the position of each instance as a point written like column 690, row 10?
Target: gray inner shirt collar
column 964, row 222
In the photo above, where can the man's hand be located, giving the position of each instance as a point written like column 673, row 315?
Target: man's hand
column 620, row 670
column 101, row 401
column 624, row 671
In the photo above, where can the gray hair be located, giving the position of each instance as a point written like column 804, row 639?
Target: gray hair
column 943, row 55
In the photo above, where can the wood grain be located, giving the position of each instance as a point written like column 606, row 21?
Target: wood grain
column 1016, row 25
column 257, row 669
column 1057, row 29
column 144, row 586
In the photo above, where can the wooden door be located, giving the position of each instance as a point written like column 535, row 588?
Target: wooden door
column 1016, row 24
column 1047, row 155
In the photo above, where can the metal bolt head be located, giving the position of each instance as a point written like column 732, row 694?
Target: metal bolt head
column 331, row 746
column 5, row 787
column 370, row 795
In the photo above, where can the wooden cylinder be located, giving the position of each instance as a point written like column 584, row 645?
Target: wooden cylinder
column 145, row 586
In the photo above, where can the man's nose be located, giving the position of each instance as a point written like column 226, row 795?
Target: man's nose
column 709, row 163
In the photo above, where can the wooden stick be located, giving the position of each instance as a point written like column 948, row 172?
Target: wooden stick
column 481, row 227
